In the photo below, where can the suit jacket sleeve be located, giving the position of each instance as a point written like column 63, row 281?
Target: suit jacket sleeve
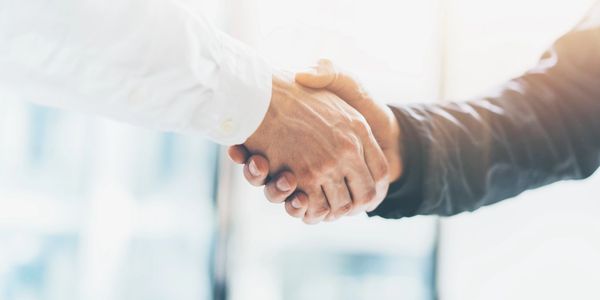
column 537, row 129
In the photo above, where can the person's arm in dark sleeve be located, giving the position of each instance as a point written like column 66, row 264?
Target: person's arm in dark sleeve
column 537, row 129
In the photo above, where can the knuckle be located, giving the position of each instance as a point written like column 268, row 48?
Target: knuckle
column 380, row 172
column 322, row 211
column 370, row 194
column 319, row 212
column 308, row 175
column 316, row 173
column 343, row 210
column 348, row 143
column 360, row 125
column 367, row 196
column 349, row 146
column 331, row 217
column 326, row 167
column 313, row 176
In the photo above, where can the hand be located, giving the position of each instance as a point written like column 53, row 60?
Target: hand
column 382, row 121
column 328, row 146
column 380, row 117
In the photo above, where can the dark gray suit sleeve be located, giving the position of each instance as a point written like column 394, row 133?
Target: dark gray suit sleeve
column 537, row 129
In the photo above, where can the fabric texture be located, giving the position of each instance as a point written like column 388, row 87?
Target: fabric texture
column 151, row 63
column 539, row 128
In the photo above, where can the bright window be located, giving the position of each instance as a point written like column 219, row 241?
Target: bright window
column 92, row 209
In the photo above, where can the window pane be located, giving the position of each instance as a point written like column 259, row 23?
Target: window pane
column 91, row 209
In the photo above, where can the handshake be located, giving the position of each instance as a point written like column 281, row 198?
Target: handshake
column 324, row 148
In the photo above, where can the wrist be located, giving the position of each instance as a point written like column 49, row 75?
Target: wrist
column 393, row 150
column 282, row 82
column 281, row 87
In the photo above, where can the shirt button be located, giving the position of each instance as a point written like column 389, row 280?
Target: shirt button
column 227, row 127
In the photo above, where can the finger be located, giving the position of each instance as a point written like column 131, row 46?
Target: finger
column 317, row 77
column 318, row 208
column 297, row 205
column 378, row 167
column 361, row 186
column 256, row 170
column 238, row 154
column 339, row 199
column 342, row 83
column 328, row 76
column 281, row 187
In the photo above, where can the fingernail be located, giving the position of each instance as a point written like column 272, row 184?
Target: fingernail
column 253, row 168
column 283, row 184
column 296, row 203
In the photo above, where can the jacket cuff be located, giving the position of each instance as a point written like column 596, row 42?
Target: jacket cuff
column 405, row 195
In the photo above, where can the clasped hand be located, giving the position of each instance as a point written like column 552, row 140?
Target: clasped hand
column 324, row 148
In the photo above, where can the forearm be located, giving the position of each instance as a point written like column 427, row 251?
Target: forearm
column 540, row 128
column 147, row 62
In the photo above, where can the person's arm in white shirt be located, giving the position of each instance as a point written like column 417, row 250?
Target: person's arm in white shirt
column 146, row 62
column 153, row 63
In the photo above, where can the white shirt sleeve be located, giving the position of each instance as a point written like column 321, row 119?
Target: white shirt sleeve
column 146, row 62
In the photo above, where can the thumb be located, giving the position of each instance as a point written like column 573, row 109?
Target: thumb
column 317, row 77
column 326, row 76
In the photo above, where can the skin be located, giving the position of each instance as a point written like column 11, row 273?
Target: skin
column 283, row 186
column 320, row 148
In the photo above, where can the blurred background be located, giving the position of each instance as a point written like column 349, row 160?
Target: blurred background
column 93, row 209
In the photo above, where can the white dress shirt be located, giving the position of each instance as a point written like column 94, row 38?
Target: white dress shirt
column 146, row 62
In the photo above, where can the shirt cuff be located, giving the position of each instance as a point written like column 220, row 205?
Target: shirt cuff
column 242, row 94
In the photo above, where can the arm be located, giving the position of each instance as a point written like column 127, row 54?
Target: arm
column 146, row 62
column 539, row 128
column 153, row 63
column 386, row 131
